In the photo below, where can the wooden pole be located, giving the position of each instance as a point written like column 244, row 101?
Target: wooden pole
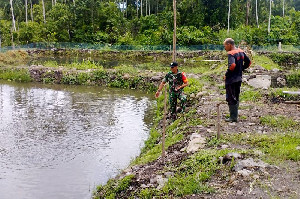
column 164, row 126
column 165, row 100
column 174, row 33
column 218, row 123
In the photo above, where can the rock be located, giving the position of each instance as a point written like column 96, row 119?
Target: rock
column 239, row 193
column 224, row 146
column 260, row 81
column 275, row 70
column 258, row 152
column 161, row 181
column 153, row 180
column 251, row 124
column 244, row 172
column 196, row 142
column 298, row 148
column 192, row 95
column 169, row 174
column 126, row 76
column 256, row 176
column 230, row 156
column 156, row 78
column 200, row 94
column 194, row 76
column 209, row 131
column 281, row 82
column 194, row 136
column 249, row 163
column 143, row 186
column 256, row 68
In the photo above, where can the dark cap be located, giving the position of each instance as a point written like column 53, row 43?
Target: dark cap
column 173, row 64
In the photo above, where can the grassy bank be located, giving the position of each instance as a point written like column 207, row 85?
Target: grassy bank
column 268, row 131
column 195, row 174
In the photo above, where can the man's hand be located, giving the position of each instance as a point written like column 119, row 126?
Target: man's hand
column 177, row 88
column 157, row 94
column 224, row 77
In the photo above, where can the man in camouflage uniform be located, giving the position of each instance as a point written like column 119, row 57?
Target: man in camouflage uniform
column 177, row 81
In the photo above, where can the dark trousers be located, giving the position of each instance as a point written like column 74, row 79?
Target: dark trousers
column 233, row 93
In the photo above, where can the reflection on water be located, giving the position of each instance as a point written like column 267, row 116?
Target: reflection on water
column 62, row 142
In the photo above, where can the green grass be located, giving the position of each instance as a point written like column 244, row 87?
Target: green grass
column 84, row 65
column 277, row 147
column 113, row 187
column 251, row 95
column 278, row 93
column 174, row 133
column 265, row 62
column 123, row 69
column 193, row 173
column 19, row 75
column 152, row 149
column 293, row 79
column 13, row 58
column 195, row 86
column 280, row 122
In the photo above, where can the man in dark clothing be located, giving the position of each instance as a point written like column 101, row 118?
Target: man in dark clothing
column 237, row 62
column 177, row 81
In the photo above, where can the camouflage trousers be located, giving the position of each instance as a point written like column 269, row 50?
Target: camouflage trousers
column 173, row 96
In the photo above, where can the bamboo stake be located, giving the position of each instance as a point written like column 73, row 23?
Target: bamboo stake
column 164, row 126
column 165, row 100
column 174, row 33
column 218, row 124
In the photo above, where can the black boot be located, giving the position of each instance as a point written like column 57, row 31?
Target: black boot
column 233, row 110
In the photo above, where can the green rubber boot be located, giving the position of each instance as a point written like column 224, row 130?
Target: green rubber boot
column 233, row 110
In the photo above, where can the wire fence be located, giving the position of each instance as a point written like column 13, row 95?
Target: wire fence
column 86, row 46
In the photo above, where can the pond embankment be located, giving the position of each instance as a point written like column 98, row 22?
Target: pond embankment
column 258, row 157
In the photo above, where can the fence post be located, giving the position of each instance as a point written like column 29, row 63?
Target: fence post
column 164, row 126
column 218, row 123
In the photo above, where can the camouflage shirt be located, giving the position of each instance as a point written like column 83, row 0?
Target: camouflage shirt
column 175, row 80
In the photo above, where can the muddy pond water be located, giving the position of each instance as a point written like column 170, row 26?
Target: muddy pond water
column 60, row 142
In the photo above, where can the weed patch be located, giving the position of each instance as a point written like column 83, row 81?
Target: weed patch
column 281, row 122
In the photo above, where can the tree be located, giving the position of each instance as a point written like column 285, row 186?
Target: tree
column 256, row 14
column 26, row 12
column 229, row 2
column 137, row 8
column 44, row 12
column 31, row 10
column 13, row 16
column 283, row 8
column 141, row 8
column 269, row 24
column 247, row 12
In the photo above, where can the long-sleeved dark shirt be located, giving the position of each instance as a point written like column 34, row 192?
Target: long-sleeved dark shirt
column 237, row 62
